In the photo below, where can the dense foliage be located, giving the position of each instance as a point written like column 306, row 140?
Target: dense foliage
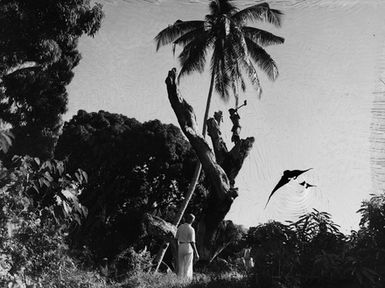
column 39, row 204
column 42, row 203
column 77, row 221
column 312, row 252
column 38, row 51
column 133, row 168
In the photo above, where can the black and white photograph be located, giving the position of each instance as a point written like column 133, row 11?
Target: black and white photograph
column 192, row 143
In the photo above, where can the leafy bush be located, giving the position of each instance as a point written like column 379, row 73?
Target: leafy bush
column 313, row 253
column 38, row 203
column 129, row 261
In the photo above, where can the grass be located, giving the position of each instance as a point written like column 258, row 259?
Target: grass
column 159, row 280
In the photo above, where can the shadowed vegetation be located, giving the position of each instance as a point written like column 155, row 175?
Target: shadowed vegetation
column 74, row 210
column 39, row 41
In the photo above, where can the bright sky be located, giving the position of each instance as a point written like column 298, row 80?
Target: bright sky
column 317, row 114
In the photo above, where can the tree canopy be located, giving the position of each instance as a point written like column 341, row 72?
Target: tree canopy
column 132, row 168
column 236, row 47
column 38, row 52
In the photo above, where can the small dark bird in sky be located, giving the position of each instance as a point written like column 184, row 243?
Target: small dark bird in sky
column 306, row 185
column 287, row 176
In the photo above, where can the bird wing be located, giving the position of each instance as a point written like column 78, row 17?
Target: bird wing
column 296, row 173
column 281, row 182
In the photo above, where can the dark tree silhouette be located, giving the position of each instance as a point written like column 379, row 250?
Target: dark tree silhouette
column 133, row 168
column 38, row 41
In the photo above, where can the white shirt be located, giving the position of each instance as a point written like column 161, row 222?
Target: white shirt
column 185, row 233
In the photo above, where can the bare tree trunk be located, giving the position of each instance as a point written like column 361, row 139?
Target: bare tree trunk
column 193, row 183
column 221, row 174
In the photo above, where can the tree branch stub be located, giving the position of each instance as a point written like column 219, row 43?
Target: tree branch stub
column 159, row 228
column 187, row 121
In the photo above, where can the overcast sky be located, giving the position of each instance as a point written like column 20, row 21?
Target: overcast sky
column 316, row 114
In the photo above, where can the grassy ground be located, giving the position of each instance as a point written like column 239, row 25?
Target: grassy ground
column 89, row 279
column 149, row 280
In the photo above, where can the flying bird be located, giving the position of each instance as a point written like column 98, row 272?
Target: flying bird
column 306, row 185
column 287, row 176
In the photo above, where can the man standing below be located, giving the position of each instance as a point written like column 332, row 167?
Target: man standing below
column 185, row 237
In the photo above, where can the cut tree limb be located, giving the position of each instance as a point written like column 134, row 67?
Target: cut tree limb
column 159, row 228
column 219, row 145
column 187, row 121
column 234, row 159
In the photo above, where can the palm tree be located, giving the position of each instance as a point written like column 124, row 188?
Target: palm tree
column 235, row 50
column 235, row 47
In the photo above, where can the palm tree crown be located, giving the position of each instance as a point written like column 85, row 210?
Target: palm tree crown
column 236, row 48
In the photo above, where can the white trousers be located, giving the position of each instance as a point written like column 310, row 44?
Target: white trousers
column 185, row 260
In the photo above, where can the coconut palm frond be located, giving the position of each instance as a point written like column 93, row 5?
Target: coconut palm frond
column 189, row 36
column 263, row 59
column 234, row 73
column 237, row 81
column 235, row 51
column 193, row 56
column 241, row 81
column 274, row 17
column 259, row 12
column 262, row 37
column 195, row 62
column 172, row 32
column 243, row 85
column 222, row 83
column 237, row 40
column 253, row 75
column 219, row 68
